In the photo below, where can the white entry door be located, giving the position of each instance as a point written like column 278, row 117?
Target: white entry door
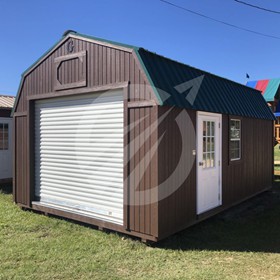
column 208, row 161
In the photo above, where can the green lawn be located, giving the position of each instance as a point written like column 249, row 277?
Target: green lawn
column 277, row 157
column 242, row 243
column 277, row 152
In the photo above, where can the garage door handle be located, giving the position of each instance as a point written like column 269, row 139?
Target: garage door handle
column 200, row 163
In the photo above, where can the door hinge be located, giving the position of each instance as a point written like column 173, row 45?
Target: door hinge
column 219, row 162
column 219, row 125
column 219, row 197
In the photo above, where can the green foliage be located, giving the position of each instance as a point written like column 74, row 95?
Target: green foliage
column 242, row 243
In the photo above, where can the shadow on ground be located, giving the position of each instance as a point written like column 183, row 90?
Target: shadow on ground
column 251, row 226
column 6, row 188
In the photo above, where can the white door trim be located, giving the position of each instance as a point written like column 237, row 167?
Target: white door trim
column 218, row 159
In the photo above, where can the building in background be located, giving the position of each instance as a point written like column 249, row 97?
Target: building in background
column 271, row 92
column 6, row 146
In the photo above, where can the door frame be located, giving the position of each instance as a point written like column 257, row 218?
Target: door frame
column 208, row 114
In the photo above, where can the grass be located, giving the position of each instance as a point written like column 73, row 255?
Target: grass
column 242, row 243
column 277, row 152
column 277, row 156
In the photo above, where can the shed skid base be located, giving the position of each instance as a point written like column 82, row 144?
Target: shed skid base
column 100, row 224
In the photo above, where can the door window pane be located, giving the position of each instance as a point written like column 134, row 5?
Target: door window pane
column 208, row 144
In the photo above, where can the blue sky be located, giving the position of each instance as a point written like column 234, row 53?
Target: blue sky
column 30, row 27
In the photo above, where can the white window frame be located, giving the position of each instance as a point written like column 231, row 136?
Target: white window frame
column 235, row 139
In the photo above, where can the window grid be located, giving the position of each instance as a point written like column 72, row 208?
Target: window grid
column 4, row 136
column 208, row 144
column 235, row 140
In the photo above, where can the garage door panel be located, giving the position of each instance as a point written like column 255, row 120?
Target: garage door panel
column 105, row 156
column 110, row 175
column 96, row 197
column 79, row 154
column 93, row 203
column 57, row 184
column 79, row 177
column 70, row 161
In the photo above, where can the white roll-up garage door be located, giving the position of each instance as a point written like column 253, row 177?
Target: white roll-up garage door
column 79, row 155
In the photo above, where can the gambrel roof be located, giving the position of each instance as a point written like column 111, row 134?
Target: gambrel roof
column 181, row 85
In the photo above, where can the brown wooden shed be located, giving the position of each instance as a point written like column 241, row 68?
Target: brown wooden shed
column 124, row 139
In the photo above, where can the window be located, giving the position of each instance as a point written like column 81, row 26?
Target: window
column 208, row 144
column 4, row 136
column 235, row 140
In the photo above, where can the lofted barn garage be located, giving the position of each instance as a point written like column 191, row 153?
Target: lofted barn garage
column 125, row 139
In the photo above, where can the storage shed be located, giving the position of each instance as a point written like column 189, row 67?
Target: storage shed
column 124, row 139
column 6, row 129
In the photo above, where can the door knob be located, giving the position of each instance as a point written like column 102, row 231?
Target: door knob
column 200, row 163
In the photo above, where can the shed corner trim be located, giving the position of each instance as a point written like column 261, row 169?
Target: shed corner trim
column 142, row 64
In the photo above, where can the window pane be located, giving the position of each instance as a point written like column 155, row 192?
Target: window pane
column 208, row 160
column 235, row 139
column 237, row 124
column 213, row 159
column 231, row 132
column 209, row 129
column 204, row 128
column 6, row 137
column 208, row 144
column 213, row 128
column 235, row 154
column 235, row 149
column 1, row 136
column 212, row 144
column 204, row 160
column 237, row 133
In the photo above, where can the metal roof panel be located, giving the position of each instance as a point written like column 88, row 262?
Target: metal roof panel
column 269, row 88
column 7, row 101
column 214, row 94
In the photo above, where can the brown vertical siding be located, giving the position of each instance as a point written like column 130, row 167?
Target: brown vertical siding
column 177, row 210
column 142, row 135
column 105, row 65
column 253, row 173
column 21, row 164
column 240, row 180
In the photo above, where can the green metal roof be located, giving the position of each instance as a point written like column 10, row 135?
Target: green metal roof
column 184, row 86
